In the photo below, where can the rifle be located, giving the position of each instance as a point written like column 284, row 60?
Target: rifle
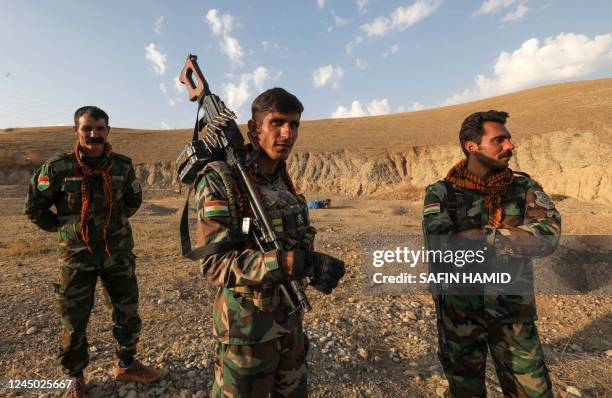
column 222, row 140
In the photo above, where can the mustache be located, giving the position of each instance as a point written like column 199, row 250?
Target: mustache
column 94, row 140
column 506, row 154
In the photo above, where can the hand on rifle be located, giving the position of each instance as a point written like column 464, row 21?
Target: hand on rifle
column 323, row 270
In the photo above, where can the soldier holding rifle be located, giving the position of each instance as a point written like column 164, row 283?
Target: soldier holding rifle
column 261, row 349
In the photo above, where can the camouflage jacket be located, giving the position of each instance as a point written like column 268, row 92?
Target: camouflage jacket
column 58, row 183
column 248, row 308
column 525, row 208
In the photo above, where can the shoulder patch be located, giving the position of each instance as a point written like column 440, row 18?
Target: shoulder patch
column 216, row 208
column 543, row 200
column 432, row 208
column 43, row 182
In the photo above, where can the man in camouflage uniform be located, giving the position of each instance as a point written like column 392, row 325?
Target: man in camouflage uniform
column 94, row 191
column 509, row 213
column 261, row 349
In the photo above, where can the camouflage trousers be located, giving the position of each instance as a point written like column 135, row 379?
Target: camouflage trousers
column 75, row 299
column 515, row 348
column 275, row 368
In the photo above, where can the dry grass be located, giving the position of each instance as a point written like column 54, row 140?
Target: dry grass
column 26, row 247
column 584, row 369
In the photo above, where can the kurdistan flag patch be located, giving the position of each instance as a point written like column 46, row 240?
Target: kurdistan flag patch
column 43, row 182
column 216, row 208
column 433, row 208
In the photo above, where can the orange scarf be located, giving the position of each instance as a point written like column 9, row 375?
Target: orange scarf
column 493, row 188
column 105, row 172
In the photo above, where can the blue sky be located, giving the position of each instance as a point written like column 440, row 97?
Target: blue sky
column 340, row 57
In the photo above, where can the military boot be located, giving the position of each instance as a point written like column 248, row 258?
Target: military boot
column 136, row 372
column 77, row 388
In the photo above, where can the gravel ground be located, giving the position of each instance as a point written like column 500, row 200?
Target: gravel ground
column 361, row 345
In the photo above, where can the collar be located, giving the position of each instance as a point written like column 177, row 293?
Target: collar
column 251, row 161
column 95, row 162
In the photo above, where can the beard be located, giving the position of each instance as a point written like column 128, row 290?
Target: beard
column 490, row 163
column 94, row 140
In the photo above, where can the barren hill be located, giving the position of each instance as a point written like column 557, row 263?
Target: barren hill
column 563, row 134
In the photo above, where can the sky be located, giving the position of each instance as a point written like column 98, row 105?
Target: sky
column 341, row 58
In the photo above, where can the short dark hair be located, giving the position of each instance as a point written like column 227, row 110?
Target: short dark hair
column 93, row 111
column 275, row 100
column 471, row 128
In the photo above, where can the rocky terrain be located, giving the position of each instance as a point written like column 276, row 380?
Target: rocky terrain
column 363, row 345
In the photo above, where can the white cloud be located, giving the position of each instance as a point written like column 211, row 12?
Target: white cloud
column 320, row 3
column 361, row 64
column 401, row 18
column 327, row 74
column 180, row 87
column 514, row 16
column 221, row 26
column 564, row 57
column 173, row 101
column 379, row 107
column 269, row 44
column 165, row 125
column 339, row 21
column 232, row 49
column 157, row 59
column 352, row 44
column 159, row 24
column 489, row 7
column 391, row 50
column 416, row 106
column 162, row 87
column 492, row 6
column 260, row 76
column 357, row 109
column 361, row 6
column 237, row 93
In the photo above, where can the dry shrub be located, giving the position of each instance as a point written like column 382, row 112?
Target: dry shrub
column 399, row 211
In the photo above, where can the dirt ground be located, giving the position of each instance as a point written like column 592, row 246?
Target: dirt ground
column 362, row 345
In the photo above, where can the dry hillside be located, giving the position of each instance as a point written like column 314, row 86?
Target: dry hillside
column 562, row 132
